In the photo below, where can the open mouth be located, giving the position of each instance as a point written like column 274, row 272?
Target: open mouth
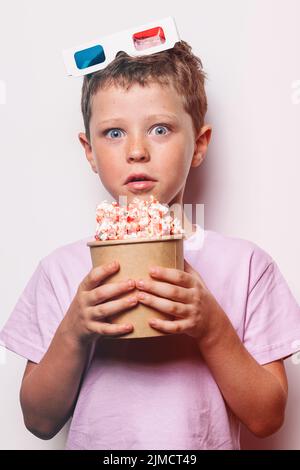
column 140, row 182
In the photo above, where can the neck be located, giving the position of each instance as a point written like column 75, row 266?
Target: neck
column 189, row 228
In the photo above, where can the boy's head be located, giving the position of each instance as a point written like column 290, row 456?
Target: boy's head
column 146, row 115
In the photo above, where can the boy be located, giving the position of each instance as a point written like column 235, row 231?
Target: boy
column 235, row 318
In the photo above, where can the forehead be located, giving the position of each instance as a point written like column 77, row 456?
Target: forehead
column 137, row 101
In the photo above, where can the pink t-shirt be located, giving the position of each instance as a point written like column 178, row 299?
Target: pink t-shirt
column 158, row 393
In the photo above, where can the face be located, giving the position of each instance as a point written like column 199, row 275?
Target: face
column 143, row 130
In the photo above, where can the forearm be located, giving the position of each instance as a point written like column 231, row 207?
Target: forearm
column 253, row 393
column 49, row 391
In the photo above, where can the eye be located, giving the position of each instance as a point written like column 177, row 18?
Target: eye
column 114, row 132
column 161, row 128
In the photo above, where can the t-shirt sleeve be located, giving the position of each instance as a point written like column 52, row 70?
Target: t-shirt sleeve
column 34, row 319
column 272, row 319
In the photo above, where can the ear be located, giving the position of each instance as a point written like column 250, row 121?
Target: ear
column 201, row 144
column 88, row 150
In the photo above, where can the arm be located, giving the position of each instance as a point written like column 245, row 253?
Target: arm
column 257, row 394
column 49, row 389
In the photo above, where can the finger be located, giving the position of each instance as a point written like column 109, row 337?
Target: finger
column 110, row 329
column 164, row 289
column 98, row 274
column 163, row 305
column 107, row 291
column 107, row 309
column 188, row 268
column 167, row 326
column 174, row 276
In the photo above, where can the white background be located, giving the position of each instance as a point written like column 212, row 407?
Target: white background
column 249, row 182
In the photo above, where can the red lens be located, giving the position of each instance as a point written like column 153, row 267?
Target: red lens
column 149, row 38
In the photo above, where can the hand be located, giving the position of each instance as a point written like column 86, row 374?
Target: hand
column 86, row 317
column 182, row 294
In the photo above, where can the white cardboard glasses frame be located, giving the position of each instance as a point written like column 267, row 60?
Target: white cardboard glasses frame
column 142, row 40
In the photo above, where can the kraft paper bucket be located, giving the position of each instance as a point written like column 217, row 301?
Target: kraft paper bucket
column 135, row 257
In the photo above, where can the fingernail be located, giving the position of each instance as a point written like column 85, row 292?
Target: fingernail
column 132, row 300
column 153, row 270
column 140, row 283
column 112, row 265
column 141, row 295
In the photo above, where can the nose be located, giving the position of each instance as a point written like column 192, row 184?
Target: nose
column 137, row 150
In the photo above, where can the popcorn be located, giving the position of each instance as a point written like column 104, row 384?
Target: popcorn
column 139, row 219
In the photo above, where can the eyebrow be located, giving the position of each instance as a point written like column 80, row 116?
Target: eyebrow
column 149, row 118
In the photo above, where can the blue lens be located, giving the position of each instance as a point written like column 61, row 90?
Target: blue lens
column 88, row 57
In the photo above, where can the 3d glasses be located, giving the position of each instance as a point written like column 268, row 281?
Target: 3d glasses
column 146, row 39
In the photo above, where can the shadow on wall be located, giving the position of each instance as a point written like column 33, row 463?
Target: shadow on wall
column 196, row 191
column 200, row 184
column 287, row 438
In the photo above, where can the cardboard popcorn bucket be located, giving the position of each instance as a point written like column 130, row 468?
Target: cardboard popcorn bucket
column 135, row 256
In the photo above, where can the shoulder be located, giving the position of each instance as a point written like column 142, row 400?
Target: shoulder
column 238, row 253
column 235, row 245
column 71, row 261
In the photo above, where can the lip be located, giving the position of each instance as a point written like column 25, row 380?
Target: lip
column 138, row 186
column 142, row 176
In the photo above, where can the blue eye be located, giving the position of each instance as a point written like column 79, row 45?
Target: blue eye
column 114, row 130
column 161, row 127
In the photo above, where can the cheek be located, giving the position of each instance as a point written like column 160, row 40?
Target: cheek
column 109, row 168
column 110, row 172
column 176, row 159
column 104, row 157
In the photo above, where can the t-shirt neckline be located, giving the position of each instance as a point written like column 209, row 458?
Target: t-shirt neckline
column 196, row 240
